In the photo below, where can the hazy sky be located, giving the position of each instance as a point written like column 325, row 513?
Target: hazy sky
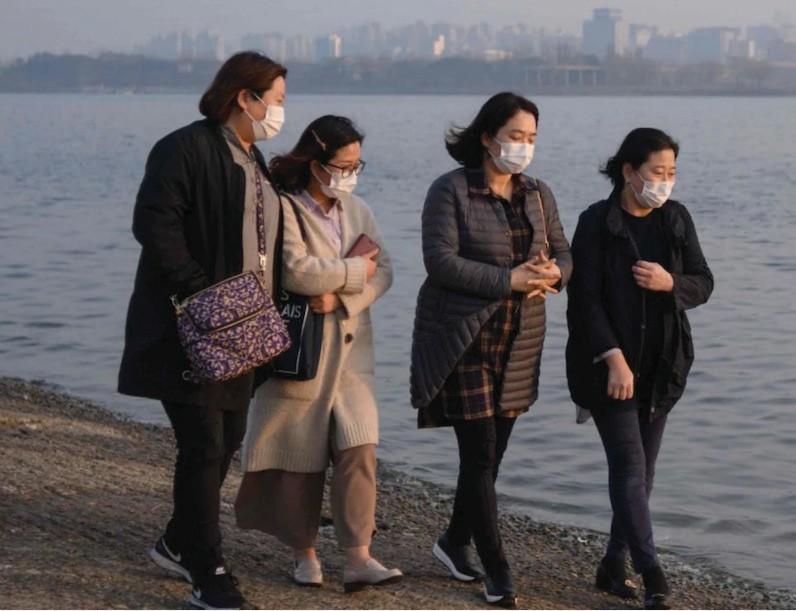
column 29, row 26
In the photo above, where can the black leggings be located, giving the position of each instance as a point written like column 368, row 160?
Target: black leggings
column 206, row 438
column 482, row 443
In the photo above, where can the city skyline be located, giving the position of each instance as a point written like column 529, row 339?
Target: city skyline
column 606, row 34
column 90, row 26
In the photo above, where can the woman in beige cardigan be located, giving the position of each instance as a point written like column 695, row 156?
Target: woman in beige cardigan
column 295, row 427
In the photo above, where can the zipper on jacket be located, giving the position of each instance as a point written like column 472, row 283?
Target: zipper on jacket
column 229, row 324
column 637, row 373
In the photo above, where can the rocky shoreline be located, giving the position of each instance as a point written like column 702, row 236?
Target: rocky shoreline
column 84, row 491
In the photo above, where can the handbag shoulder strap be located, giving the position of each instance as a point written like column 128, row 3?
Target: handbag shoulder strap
column 260, row 199
column 297, row 213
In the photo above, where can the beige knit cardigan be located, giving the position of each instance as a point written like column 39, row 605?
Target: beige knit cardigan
column 290, row 422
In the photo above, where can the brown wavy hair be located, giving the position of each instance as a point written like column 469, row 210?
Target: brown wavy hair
column 248, row 70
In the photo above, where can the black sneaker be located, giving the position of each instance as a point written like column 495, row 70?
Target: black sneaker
column 612, row 578
column 656, row 590
column 219, row 590
column 458, row 559
column 167, row 559
column 499, row 591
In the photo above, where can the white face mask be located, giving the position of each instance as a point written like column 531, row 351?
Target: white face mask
column 338, row 185
column 654, row 194
column 271, row 124
column 514, row 156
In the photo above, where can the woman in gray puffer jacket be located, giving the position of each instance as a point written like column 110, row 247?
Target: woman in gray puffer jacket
column 493, row 248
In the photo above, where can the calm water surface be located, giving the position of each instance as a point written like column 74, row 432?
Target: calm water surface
column 70, row 166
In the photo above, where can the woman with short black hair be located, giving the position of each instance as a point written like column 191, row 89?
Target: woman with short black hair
column 638, row 268
column 196, row 220
column 493, row 248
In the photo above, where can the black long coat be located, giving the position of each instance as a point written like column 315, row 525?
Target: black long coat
column 188, row 219
column 606, row 308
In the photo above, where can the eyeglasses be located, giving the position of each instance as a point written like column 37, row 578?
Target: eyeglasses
column 347, row 172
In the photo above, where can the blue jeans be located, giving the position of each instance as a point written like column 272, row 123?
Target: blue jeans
column 631, row 445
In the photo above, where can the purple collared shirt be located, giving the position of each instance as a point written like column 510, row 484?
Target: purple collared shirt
column 330, row 221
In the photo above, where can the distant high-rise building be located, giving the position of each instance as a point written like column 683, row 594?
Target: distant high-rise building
column 185, row 46
column 666, row 49
column 605, row 34
column 298, row 48
column 161, row 46
column 438, row 46
column 328, row 47
column 209, row 45
column 639, row 36
column 272, row 44
column 712, row 44
column 763, row 36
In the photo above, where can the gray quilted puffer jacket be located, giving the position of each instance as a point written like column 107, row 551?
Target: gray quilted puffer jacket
column 467, row 255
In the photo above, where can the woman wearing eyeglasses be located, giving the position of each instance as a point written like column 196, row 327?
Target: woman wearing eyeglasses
column 296, row 428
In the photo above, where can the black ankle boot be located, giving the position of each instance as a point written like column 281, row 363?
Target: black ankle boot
column 656, row 590
column 612, row 578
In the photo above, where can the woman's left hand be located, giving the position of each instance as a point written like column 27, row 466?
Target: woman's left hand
column 325, row 304
column 653, row 277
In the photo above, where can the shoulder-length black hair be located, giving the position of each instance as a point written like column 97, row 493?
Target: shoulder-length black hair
column 636, row 149
column 464, row 143
column 319, row 142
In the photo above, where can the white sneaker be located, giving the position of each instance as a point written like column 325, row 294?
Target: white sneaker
column 372, row 573
column 308, row 573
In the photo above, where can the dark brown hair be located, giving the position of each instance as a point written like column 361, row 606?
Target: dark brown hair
column 319, row 142
column 464, row 143
column 248, row 70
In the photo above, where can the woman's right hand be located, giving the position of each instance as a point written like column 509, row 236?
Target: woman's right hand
column 524, row 279
column 370, row 262
column 620, row 377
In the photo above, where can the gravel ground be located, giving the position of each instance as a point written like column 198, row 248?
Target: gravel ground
column 84, row 492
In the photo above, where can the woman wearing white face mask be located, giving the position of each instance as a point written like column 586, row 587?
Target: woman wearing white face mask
column 297, row 427
column 196, row 217
column 493, row 248
column 638, row 268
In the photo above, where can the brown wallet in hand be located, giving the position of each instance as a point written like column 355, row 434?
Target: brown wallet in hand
column 362, row 246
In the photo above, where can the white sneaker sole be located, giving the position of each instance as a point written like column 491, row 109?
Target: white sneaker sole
column 500, row 600
column 169, row 565
column 440, row 555
column 198, row 604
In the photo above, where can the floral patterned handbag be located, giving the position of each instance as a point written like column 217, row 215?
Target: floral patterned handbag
column 233, row 326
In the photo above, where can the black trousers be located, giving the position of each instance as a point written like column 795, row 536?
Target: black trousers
column 482, row 443
column 207, row 438
column 631, row 443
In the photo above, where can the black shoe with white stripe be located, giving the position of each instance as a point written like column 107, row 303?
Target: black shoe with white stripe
column 168, row 560
column 499, row 590
column 218, row 590
column 458, row 559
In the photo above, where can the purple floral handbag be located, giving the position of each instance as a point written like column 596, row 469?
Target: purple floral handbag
column 232, row 327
